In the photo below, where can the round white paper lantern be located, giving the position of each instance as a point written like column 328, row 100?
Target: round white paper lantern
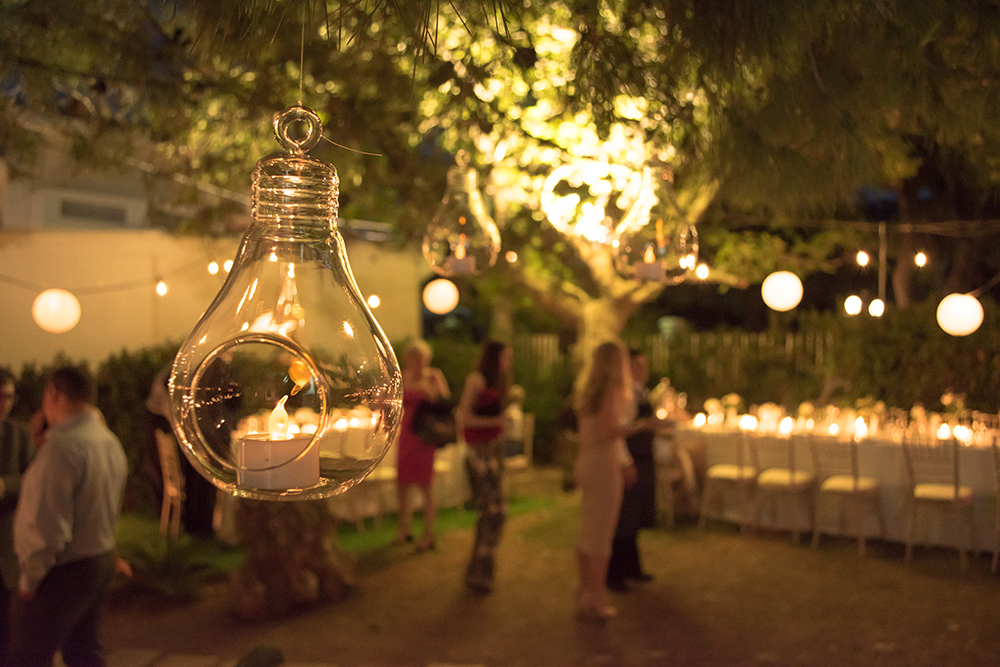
column 440, row 296
column 782, row 290
column 959, row 314
column 56, row 310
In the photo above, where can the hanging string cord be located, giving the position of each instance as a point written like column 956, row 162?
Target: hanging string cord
column 113, row 287
column 302, row 53
column 987, row 287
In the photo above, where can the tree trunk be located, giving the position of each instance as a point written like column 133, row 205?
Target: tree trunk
column 292, row 560
column 603, row 320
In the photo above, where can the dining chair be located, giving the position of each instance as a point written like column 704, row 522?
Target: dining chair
column 781, row 477
column 728, row 465
column 173, row 483
column 673, row 461
column 934, row 482
column 449, row 476
column 835, row 465
column 996, row 526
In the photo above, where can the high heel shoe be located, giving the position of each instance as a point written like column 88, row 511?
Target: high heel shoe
column 591, row 613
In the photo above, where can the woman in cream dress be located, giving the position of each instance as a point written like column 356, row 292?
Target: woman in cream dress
column 602, row 401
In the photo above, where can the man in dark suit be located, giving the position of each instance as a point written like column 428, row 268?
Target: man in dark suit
column 16, row 450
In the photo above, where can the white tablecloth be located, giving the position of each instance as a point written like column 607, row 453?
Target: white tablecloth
column 884, row 460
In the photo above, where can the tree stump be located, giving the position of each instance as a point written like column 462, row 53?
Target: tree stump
column 292, row 560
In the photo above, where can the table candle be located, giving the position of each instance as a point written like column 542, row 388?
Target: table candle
column 272, row 460
column 461, row 265
column 268, row 462
column 651, row 271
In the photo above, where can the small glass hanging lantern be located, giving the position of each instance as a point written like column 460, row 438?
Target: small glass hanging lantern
column 462, row 238
column 654, row 242
column 287, row 388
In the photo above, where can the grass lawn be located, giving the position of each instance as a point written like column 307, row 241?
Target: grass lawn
column 718, row 598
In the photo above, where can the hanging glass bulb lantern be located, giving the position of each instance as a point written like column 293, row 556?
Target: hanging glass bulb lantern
column 287, row 388
column 654, row 242
column 462, row 238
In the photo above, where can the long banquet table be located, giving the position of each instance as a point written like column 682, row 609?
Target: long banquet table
column 884, row 460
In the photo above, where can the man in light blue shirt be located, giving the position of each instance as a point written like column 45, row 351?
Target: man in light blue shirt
column 64, row 528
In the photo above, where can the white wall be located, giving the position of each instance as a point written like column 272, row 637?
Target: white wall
column 113, row 274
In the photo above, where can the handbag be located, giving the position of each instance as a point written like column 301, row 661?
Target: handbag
column 434, row 423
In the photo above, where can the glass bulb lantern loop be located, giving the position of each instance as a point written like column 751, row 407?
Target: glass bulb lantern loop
column 288, row 119
column 287, row 388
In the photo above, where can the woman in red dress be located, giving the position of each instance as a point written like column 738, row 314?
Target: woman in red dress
column 415, row 459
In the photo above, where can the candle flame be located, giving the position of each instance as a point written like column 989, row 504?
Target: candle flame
column 649, row 256
column 278, row 422
column 460, row 248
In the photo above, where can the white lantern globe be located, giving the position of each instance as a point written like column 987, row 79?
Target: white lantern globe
column 959, row 314
column 56, row 310
column 782, row 290
column 440, row 296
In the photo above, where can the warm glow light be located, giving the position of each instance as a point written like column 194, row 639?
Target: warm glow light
column 863, row 258
column 161, row 288
column 440, row 296
column 834, row 428
column 213, row 268
column 876, row 308
column 853, row 304
column 960, row 314
column 56, row 310
column 748, row 423
column 785, row 426
column 511, row 256
column 962, row 433
column 699, row 419
column 782, row 290
column 944, row 432
column 701, row 271
column 228, row 265
column 277, row 423
column 860, row 428
column 920, row 259
column 374, row 301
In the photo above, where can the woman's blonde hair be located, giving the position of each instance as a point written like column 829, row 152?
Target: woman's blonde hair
column 606, row 370
column 420, row 346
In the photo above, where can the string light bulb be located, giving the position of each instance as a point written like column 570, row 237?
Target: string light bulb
column 853, row 304
column 287, row 388
column 862, row 258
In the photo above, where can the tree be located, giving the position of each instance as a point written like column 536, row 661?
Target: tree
column 773, row 114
